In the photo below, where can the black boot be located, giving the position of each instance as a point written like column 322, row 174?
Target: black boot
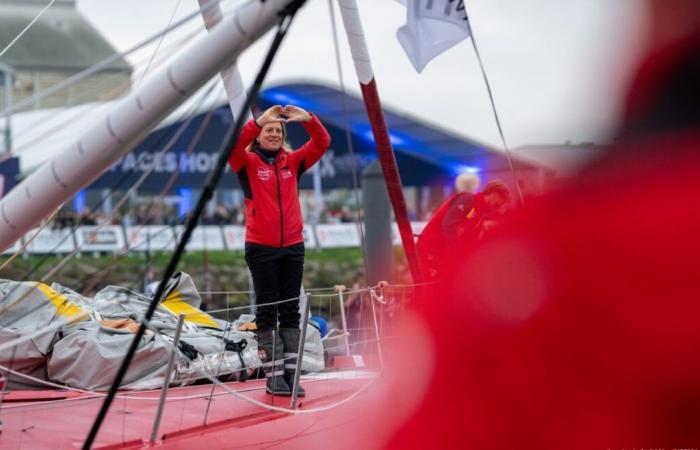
column 291, row 337
column 271, row 352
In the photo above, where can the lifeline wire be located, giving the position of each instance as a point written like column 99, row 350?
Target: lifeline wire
column 167, row 343
column 26, row 28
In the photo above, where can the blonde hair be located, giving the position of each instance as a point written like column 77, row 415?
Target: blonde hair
column 467, row 182
column 285, row 145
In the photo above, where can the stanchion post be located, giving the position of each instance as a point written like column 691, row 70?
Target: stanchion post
column 372, row 299
column 346, row 335
column 227, row 332
column 166, row 382
column 300, row 351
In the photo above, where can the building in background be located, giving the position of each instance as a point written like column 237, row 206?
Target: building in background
column 560, row 160
column 60, row 44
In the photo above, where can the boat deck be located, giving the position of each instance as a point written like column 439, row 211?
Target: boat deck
column 62, row 419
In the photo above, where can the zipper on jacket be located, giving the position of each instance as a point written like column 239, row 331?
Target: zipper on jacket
column 279, row 202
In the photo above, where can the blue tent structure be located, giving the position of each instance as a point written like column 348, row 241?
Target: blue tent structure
column 425, row 154
column 9, row 172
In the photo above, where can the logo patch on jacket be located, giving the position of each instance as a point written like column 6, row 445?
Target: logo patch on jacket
column 264, row 173
column 286, row 173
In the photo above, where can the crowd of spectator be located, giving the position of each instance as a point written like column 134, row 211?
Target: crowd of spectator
column 338, row 207
column 158, row 213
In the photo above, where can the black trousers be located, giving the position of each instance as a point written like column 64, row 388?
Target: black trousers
column 277, row 274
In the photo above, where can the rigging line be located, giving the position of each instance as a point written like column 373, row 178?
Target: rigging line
column 164, row 191
column 55, row 269
column 89, row 110
column 43, row 260
column 26, row 28
column 207, row 192
column 59, row 324
column 277, row 408
column 24, row 246
column 207, row 375
column 70, row 319
column 193, row 143
column 247, row 40
column 235, row 308
column 143, row 395
column 46, row 257
column 227, row 292
column 142, row 179
column 188, row 117
column 105, row 63
column 348, row 136
column 190, row 114
column 495, row 114
column 159, row 334
column 162, row 37
column 93, row 395
column 208, row 5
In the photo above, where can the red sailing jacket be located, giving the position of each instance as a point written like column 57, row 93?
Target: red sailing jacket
column 272, row 210
column 455, row 225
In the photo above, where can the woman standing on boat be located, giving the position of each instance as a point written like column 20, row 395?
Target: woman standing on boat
column 268, row 172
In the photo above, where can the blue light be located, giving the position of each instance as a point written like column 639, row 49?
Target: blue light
column 79, row 201
column 461, row 168
column 285, row 97
column 471, row 169
column 185, row 204
column 366, row 132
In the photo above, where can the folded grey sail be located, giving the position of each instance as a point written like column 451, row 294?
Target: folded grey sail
column 313, row 360
column 63, row 337
column 31, row 315
column 89, row 355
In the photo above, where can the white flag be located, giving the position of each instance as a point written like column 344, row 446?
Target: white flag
column 432, row 26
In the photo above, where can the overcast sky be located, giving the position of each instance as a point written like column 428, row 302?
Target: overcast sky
column 557, row 67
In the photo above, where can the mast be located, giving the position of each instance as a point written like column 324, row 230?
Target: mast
column 109, row 137
column 387, row 159
column 230, row 75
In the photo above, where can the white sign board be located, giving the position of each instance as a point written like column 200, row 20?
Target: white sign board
column 417, row 228
column 13, row 249
column 334, row 235
column 108, row 238
column 234, row 236
column 309, row 237
column 204, row 237
column 50, row 241
column 153, row 237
